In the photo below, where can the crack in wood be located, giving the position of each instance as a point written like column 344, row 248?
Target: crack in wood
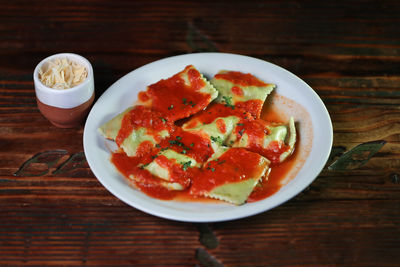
column 42, row 163
column 207, row 237
column 206, row 259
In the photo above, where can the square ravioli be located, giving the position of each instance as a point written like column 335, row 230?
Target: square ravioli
column 174, row 161
column 274, row 141
column 179, row 96
column 216, row 123
column 137, row 130
column 230, row 175
column 242, row 90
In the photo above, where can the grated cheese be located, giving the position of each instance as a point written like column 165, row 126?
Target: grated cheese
column 62, row 73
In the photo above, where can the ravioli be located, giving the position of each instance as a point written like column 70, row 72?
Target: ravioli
column 172, row 167
column 217, row 131
column 230, row 175
column 217, row 122
column 242, row 90
column 137, row 130
column 111, row 128
column 274, row 141
column 179, row 96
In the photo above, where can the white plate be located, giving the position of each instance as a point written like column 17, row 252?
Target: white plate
column 123, row 93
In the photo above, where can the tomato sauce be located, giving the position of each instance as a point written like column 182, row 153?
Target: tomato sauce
column 144, row 180
column 236, row 90
column 177, row 97
column 189, row 144
column 254, row 107
column 239, row 78
column 216, row 110
column 140, row 116
column 273, row 183
column 256, row 131
column 226, row 169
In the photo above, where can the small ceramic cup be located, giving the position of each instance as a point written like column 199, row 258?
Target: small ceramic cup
column 65, row 108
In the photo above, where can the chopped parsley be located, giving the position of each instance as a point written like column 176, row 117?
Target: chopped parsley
column 241, row 132
column 179, row 143
column 228, row 102
column 163, row 119
column 216, row 139
column 186, row 165
column 240, row 124
column 170, row 107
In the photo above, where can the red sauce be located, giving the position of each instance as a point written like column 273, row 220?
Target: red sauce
column 125, row 130
column 144, row 148
column 221, row 125
column 256, row 131
column 189, row 144
column 216, row 110
column 176, row 173
column 274, row 182
column 254, row 107
column 228, row 168
column 140, row 116
column 176, row 97
column 144, row 180
column 239, row 78
column 236, row 90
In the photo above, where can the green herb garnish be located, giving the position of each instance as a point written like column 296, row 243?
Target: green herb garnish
column 186, row 165
column 216, row 139
column 228, row 102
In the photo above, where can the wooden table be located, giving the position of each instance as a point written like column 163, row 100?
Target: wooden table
column 53, row 211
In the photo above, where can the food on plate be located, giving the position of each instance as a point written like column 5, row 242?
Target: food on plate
column 274, row 141
column 139, row 130
column 179, row 96
column 242, row 90
column 187, row 136
column 230, row 175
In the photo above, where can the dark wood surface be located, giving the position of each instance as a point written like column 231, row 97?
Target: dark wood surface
column 53, row 211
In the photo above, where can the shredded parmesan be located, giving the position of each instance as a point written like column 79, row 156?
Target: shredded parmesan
column 62, row 73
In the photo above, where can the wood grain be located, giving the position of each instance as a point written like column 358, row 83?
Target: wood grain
column 347, row 51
